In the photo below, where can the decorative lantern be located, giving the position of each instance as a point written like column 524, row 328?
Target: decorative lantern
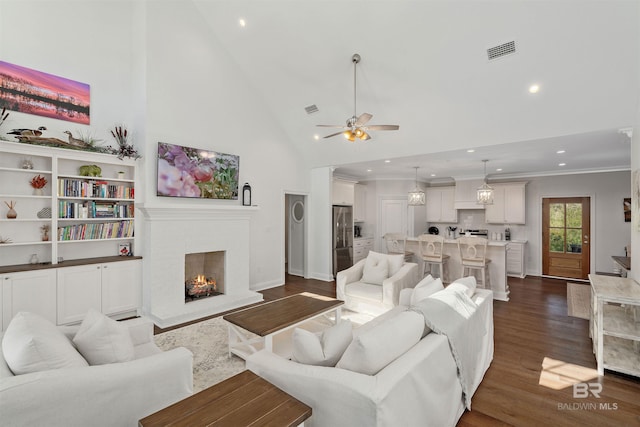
column 246, row 194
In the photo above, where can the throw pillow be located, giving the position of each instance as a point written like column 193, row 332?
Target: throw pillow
column 371, row 351
column 426, row 287
column 324, row 349
column 376, row 270
column 469, row 282
column 395, row 261
column 31, row 343
column 102, row 340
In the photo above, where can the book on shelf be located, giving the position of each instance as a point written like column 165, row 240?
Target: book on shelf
column 96, row 231
column 71, row 187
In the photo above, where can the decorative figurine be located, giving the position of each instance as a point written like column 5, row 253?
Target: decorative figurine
column 11, row 213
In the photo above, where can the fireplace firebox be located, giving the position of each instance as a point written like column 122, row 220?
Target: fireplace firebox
column 203, row 275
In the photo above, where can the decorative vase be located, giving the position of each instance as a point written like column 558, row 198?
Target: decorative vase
column 12, row 214
column 38, row 192
column 45, row 236
column 34, row 259
column 120, row 175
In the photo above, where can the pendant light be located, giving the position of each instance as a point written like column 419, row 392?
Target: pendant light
column 416, row 197
column 485, row 191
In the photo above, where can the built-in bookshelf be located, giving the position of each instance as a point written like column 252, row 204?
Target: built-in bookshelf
column 86, row 216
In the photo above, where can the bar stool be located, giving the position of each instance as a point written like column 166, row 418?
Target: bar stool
column 473, row 256
column 396, row 244
column 432, row 253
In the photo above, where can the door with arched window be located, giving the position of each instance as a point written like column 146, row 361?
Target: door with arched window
column 566, row 237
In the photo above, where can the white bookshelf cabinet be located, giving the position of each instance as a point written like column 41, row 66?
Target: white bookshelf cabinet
column 80, row 223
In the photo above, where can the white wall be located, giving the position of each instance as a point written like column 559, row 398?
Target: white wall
column 157, row 68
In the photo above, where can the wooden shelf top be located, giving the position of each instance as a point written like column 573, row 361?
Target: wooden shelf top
column 70, row 263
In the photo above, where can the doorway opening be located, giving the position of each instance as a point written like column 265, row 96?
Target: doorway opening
column 566, row 237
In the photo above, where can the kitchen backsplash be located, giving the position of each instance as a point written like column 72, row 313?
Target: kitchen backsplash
column 474, row 219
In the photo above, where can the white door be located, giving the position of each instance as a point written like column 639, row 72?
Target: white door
column 394, row 218
column 296, row 209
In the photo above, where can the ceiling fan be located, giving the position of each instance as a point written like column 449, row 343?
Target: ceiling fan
column 355, row 127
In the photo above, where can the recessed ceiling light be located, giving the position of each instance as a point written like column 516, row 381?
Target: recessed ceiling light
column 534, row 89
column 562, row 164
column 470, row 150
column 316, row 137
column 499, row 170
column 369, row 170
column 387, row 161
column 242, row 22
column 560, row 152
column 433, row 174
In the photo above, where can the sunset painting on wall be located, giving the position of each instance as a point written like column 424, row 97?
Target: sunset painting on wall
column 34, row 92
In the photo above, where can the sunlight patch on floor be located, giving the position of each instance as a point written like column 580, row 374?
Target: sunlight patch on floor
column 557, row 374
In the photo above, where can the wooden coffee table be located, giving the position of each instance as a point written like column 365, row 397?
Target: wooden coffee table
column 266, row 320
column 242, row 400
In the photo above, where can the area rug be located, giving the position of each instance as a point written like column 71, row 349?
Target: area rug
column 578, row 300
column 207, row 340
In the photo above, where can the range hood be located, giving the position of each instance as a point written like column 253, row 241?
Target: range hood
column 466, row 194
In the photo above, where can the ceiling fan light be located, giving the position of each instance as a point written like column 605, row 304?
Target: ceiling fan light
column 364, row 136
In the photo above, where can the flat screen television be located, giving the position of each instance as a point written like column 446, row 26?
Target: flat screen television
column 196, row 173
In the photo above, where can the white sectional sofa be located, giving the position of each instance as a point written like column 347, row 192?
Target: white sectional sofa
column 116, row 394
column 419, row 388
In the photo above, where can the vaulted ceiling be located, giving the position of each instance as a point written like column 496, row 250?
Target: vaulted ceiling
column 425, row 67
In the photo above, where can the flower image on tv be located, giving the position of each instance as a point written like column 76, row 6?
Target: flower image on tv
column 195, row 173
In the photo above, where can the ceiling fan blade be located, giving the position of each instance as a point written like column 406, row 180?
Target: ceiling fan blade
column 364, row 118
column 383, row 127
column 333, row 134
column 333, row 126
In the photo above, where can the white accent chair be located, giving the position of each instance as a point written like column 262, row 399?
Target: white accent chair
column 473, row 256
column 396, row 243
column 373, row 296
column 431, row 249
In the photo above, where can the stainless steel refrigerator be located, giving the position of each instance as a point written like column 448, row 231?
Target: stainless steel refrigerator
column 342, row 238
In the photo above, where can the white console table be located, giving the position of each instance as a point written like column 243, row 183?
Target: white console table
column 614, row 324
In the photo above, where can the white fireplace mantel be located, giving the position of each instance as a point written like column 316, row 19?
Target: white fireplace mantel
column 173, row 231
column 186, row 212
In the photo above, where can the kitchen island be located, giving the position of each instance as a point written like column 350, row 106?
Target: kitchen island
column 496, row 252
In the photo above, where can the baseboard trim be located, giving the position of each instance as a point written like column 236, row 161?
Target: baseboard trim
column 267, row 285
column 321, row 276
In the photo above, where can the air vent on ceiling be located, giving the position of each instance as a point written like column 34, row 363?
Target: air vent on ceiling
column 501, row 50
column 311, row 109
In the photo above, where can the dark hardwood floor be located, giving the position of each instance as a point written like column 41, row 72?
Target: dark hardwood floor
column 532, row 326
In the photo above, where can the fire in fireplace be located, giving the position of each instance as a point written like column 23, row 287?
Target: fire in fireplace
column 204, row 275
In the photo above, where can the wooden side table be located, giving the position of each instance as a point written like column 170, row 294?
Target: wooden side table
column 242, row 400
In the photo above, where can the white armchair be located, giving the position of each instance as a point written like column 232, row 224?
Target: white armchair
column 364, row 293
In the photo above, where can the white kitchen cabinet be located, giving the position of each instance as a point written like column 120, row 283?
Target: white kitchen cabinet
column 509, row 204
column 343, row 192
column 359, row 203
column 361, row 248
column 440, row 205
column 515, row 259
column 110, row 288
column 33, row 291
column 466, row 194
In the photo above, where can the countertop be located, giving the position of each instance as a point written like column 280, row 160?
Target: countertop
column 455, row 241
